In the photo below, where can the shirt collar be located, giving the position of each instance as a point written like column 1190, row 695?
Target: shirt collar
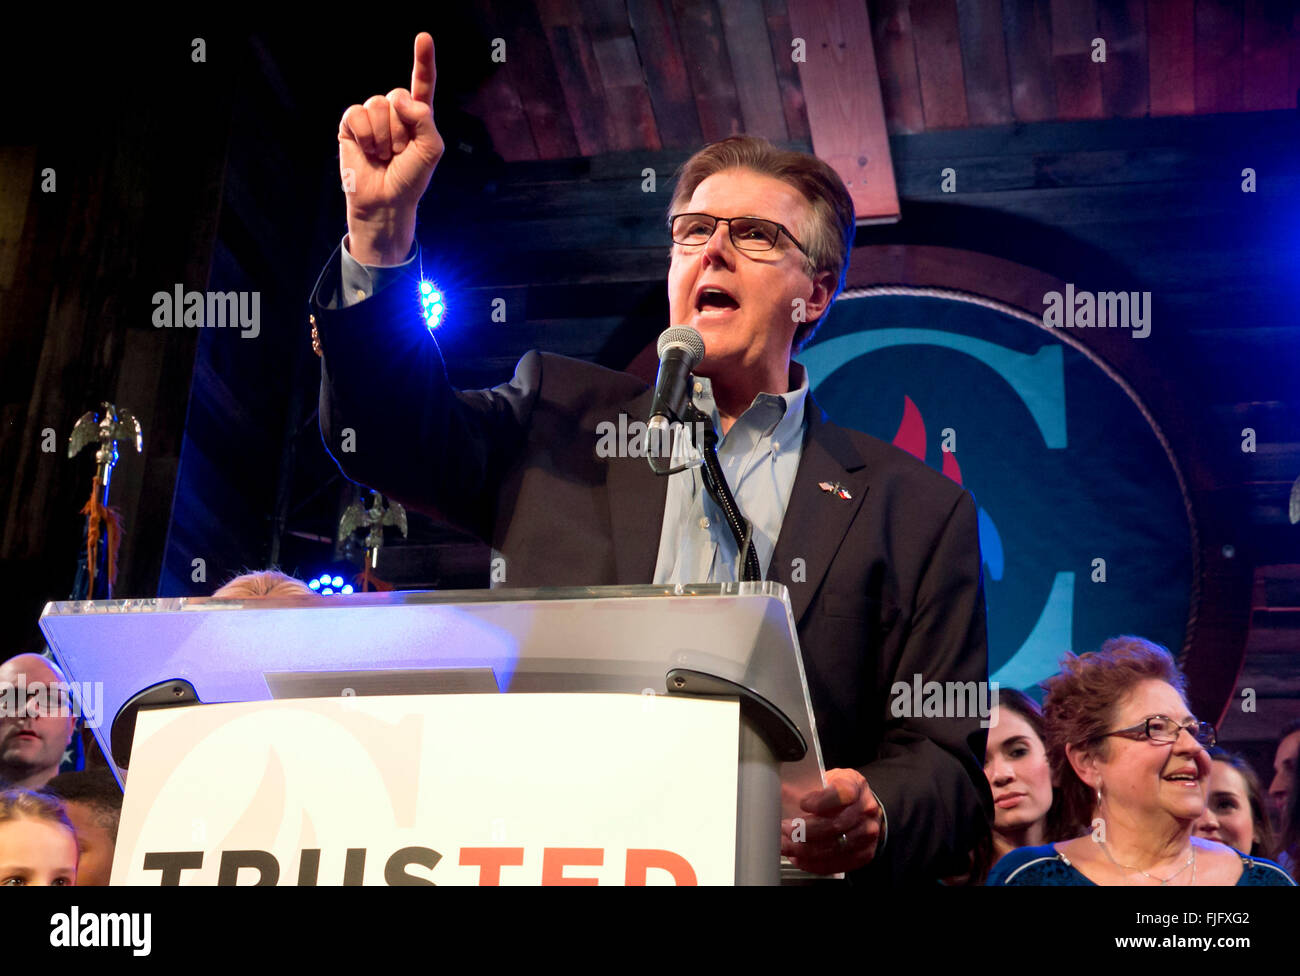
column 782, row 427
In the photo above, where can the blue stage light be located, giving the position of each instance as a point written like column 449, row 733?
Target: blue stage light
column 432, row 305
column 332, row 581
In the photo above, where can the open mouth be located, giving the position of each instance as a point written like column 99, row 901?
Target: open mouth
column 1184, row 778
column 715, row 301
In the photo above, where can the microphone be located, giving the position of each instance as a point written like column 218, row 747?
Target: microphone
column 680, row 350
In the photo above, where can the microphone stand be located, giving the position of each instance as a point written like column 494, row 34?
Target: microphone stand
column 716, row 484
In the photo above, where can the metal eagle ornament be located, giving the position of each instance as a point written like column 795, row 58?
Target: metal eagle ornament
column 374, row 520
column 104, row 429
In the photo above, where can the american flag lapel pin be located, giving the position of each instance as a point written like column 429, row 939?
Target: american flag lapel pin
column 835, row 488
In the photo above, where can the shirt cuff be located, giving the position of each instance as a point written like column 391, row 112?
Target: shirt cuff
column 360, row 281
column 884, row 824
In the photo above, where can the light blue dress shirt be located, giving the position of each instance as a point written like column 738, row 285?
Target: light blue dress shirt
column 759, row 457
column 360, row 281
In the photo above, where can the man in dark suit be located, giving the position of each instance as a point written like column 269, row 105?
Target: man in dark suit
column 880, row 553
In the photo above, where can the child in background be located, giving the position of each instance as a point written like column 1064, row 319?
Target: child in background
column 38, row 845
column 93, row 802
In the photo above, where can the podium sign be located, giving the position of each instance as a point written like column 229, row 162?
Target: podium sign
column 709, row 640
column 451, row 790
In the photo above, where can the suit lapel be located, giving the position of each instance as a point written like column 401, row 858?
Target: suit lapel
column 816, row 520
column 636, row 507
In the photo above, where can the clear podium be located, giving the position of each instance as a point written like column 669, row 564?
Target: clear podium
column 723, row 641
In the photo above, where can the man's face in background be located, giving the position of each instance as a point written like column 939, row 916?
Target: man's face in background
column 32, row 742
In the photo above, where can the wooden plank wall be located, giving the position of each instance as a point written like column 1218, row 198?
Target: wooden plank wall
column 618, row 75
column 845, row 110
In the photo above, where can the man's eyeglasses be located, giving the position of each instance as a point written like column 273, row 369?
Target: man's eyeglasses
column 747, row 233
column 1162, row 728
column 51, row 703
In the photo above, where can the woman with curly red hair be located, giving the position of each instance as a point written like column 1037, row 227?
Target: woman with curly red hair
column 1131, row 764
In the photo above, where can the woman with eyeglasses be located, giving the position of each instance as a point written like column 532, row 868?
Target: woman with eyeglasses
column 1132, row 767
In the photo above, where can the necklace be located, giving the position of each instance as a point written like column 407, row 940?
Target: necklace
column 1191, row 860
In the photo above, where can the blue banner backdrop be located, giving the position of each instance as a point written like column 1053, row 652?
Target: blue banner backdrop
column 1085, row 527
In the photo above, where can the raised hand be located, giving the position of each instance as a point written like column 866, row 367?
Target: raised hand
column 388, row 149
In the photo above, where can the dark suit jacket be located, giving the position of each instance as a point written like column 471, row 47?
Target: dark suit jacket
column 889, row 585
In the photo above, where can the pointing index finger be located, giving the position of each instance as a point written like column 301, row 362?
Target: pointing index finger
column 424, row 72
